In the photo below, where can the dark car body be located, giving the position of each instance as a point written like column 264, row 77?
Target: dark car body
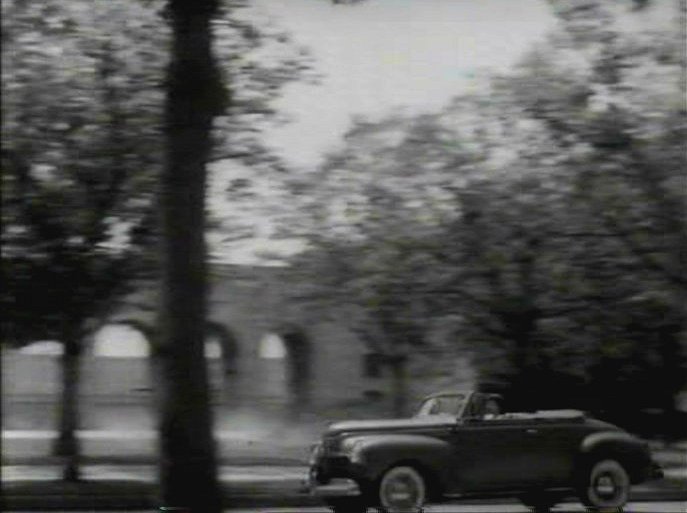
column 460, row 451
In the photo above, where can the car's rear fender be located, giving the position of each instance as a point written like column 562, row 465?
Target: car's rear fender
column 631, row 452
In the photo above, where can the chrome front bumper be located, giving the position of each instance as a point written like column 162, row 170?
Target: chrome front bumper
column 656, row 472
column 334, row 487
column 337, row 487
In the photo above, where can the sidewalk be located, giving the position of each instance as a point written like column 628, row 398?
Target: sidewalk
column 37, row 487
column 119, row 471
column 140, row 447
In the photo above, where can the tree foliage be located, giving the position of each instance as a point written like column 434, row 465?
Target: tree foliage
column 74, row 197
column 82, row 156
column 82, row 149
column 547, row 214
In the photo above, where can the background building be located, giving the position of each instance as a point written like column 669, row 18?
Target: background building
column 271, row 358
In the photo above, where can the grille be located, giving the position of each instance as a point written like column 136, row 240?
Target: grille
column 331, row 444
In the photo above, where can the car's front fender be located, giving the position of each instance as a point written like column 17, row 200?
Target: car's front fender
column 377, row 453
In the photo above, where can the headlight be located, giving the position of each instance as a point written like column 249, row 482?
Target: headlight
column 352, row 447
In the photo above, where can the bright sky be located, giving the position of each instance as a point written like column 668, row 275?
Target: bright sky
column 378, row 55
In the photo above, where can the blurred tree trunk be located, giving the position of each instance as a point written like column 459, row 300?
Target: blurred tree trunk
column 67, row 444
column 399, row 384
column 194, row 95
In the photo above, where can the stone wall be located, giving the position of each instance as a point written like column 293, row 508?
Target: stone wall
column 248, row 304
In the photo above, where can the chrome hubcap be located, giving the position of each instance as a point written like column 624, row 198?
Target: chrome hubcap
column 399, row 492
column 605, row 486
column 402, row 492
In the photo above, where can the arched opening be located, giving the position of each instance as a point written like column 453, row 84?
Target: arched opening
column 286, row 367
column 221, row 353
column 222, row 340
column 213, row 350
column 271, row 376
column 299, row 365
column 119, row 381
column 31, row 385
column 272, row 347
column 120, row 341
column 43, row 347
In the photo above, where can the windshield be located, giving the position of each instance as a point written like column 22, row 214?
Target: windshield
column 442, row 405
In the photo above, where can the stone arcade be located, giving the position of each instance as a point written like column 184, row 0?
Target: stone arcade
column 267, row 353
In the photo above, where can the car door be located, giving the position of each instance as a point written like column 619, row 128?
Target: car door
column 552, row 448
column 491, row 454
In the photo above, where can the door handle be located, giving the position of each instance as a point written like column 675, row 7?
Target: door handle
column 531, row 431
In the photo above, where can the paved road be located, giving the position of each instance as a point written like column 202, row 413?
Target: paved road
column 638, row 507
column 642, row 507
column 288, row 482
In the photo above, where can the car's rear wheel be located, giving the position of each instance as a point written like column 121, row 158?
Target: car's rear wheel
column 402, row 489
column 606, row 487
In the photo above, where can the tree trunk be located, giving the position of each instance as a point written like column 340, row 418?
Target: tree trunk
column 187, row 453
column 67, row 444
column 399, row 384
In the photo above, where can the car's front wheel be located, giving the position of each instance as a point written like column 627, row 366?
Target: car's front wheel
column 402, row 489
column 606, row 487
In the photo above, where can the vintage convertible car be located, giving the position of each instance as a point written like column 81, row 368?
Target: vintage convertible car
column 459, row 444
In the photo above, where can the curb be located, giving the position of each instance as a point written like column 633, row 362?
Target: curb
column 145, row 502
column 248, row 461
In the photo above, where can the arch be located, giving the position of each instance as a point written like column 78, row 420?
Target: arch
column 120, row 340
column 225, row 339
column 43, row 347
column 272, row 347
column 148, row 331
column 299, row 364
column 212, row 349
column 228, row 344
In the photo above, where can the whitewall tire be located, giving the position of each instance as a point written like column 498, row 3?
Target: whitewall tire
column 607, row 487
column 402, row 490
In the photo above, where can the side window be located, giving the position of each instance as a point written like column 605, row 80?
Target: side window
column 454, row 404
column 491, row 409
column 442, row 405
column 429, row 407
column 474, row 408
